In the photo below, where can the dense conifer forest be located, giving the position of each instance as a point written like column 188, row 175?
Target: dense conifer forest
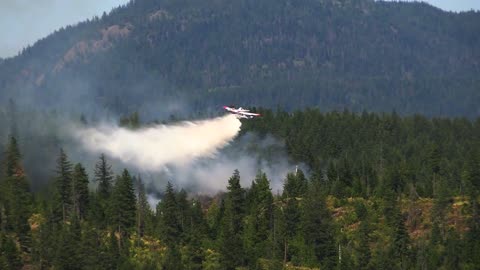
column 382, row 192
column 174, row 56
column 391, row 182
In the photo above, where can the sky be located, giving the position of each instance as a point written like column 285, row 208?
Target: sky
column 22, row 22
column 452, row 5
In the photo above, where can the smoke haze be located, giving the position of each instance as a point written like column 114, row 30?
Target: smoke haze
column 198, row 156
column 152, row 148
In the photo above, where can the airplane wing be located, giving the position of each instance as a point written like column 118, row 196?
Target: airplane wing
column 249, row 113
column 241, row 112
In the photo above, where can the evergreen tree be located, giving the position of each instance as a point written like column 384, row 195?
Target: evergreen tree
column 66, row 248
column 15, row 193
column 12, row 115
column 9, row 254
column 230, row 241
column 259, row 219
column 172, row 260
column 364, row 253
column 63, row 187
column 401, row 240
column 294, row 189
column 144, row 213
column 170, row 226
column 112, row 250
column 472, row 244
column 316, row 227
column 171, row 229
column 196, row 232
column 80, row 192
column 123, row 205
column 92, row 255
column 183, row 213
column 452, row 247
column 434, row 164
column 46, row 239
column 104, row 177
column 12, row 157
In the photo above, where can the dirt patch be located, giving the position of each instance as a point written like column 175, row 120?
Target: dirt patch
column 82, row 50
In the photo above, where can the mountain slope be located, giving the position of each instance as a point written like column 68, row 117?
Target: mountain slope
column 161, row 55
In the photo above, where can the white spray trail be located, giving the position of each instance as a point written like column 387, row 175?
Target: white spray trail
column 154, row 147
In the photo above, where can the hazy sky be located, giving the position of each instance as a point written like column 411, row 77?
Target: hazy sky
column 22, row 22
column 452, row 5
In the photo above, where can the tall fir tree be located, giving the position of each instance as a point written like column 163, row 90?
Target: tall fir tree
column 144, row 213
column 170, row 227
column 63, row 187
column 171, row 230
column 104, row 177
column 67, row 247
column 80, row 192
column 316, row 227
column 472, row 242
column 231, row 229
column 10, row 256
column 123, row 205
column 17, row 199
column 401, row 240
column 364, row 253
column 294, row 190
column 259, row 220
column 196, row 231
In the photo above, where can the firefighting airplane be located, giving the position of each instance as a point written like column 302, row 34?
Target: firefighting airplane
column 241, row 112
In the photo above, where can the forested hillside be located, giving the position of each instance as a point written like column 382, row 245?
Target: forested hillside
column 376, row 101
column 170, row 56
column 385, row 192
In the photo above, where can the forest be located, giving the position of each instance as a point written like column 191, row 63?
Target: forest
column 382, row 191
column 390, row 182
column 149, row 54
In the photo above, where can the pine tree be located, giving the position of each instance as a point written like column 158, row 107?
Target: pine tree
column 183, row 213
column 104, row 177
column 144, row 212
column 113, row 255
column 364, row 253
column 12, row 157
column 294, row 190
column 401, row 239
column 17, row 199
column 123, row 205
column 9, row 254
column 172, row 260
column 195, row 233
column 472, row 243
column 66, row 248
column 434, row 160
column 63, row 187
column 259, row 219
column 80, row 192
column 45, row 243
column 316, row 228
column 170, row 225
column 452, row 248
column 12, row 117
column 92, row 255
column 231, row 245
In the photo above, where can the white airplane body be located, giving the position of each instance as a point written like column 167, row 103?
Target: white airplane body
column 241, row 112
